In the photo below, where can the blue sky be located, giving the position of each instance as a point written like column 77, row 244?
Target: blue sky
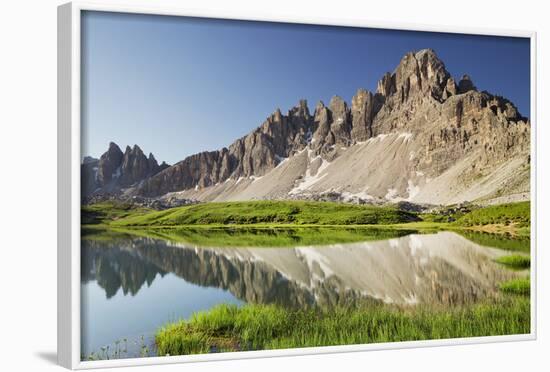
column 177, row 85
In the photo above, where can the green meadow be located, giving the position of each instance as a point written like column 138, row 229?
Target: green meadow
column 270, row 212
column 302, row 213
column 259, row 327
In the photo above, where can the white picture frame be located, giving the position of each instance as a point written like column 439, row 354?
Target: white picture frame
column 69, row 111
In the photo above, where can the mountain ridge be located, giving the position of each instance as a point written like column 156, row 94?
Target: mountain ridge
column 417, row 137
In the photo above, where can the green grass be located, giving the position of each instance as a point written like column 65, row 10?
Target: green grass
column 288, row 223
column 513, row 218
column 271, row 212
column 102, row 233
column 257, row 327
column 505, row 214
column 519, row 286
column 501, row 241
column 515, row 261
column 106, row 212
column 244, row 236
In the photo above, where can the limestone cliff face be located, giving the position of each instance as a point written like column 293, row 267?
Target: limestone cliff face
column 437, row 129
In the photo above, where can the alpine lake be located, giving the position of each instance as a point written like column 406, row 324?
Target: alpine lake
column 134, row 282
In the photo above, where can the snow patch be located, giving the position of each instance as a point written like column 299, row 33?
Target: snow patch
column 308, row 179
column 280, row 160
column 406, row 136
column 117, row 173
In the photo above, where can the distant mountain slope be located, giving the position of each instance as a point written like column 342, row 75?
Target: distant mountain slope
column 421, row 137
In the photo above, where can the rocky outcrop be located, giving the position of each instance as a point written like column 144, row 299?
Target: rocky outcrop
column 88, row 171
column 136, row 166
column 109, row 165
column 116, row 170
column 364, row 107
column 465, row 85
column 438, row 123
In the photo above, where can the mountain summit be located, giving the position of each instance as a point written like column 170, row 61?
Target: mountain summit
column 116, row 170
column 420, row 137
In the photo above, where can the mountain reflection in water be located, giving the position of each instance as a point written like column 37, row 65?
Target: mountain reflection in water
column 442, row 268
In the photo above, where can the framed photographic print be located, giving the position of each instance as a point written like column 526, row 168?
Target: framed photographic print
column 250, row 187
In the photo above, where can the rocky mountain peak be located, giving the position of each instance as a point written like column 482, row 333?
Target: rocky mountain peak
column 360, row 99
column 417, row 74
column 465, row 84
column 364, row 106
column 113, row 147
column 116, row 169
column 277, row 116
column 136, row 150
column 338, row 107
column 109, row 162
column 89, row 160
column 136, row 166
column 386, row 85
column 300, row 110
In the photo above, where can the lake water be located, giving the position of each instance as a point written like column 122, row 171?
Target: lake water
column 133, row 285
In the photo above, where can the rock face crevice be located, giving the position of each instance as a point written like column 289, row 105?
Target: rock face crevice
column 442, row 126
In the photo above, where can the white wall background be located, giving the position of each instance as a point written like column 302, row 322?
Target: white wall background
column 28, row 183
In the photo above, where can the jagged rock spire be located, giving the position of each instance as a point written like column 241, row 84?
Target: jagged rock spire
column 465, row 84
column 109, row 162
column 116, row 169
column 417, row 74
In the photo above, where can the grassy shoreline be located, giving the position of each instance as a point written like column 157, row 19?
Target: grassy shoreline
column 260, row 327
column 511, row 219
column 287, row 223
